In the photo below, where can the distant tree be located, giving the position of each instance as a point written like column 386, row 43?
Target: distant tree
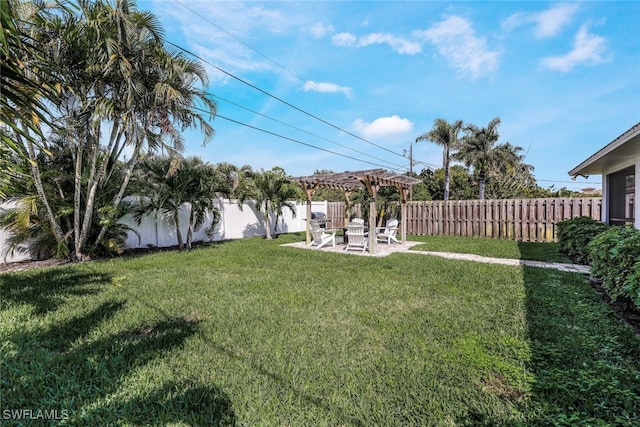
column 479, row 151
column 445, row 134
column 461, row 183
column 508, row 175
column 328, row 194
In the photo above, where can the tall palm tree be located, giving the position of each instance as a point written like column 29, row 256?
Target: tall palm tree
column 119, row 87
column 445, row 134
column 477, row 150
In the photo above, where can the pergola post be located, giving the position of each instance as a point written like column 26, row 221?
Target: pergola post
column 403, row 213
column 308, row 219
column 372, row 225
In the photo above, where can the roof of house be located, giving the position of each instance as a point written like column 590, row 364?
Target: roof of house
column 624, row 147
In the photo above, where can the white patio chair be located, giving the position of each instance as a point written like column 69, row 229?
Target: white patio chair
column 357, row 238
column 320, row 237
column 388, row 234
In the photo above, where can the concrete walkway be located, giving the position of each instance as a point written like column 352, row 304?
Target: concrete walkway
column 383, row 250
column 571, row 268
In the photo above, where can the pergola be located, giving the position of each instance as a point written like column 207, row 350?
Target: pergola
column 348, row 182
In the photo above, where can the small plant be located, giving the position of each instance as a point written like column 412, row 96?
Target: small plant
column 615, row 258
column 575, row 234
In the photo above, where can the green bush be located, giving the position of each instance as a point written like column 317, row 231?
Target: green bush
column 575, row 234
column 615, row 258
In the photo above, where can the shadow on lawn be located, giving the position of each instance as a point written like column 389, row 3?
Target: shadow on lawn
column 586, row 362
column 90, row 378
column 45, row 290
column 287, row 384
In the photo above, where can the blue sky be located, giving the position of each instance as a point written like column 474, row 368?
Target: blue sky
column 563, row 77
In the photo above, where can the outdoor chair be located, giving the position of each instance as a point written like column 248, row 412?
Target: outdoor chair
column 357, row 237
column 388, row 234
column 320, row 237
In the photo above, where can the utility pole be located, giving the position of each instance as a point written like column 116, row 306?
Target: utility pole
column 410, row 170
column 411, row 158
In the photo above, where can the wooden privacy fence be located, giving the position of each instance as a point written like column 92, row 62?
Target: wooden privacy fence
column 517, row 219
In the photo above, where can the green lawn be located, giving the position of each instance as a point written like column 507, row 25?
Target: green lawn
column 495, row 248
column 252, row 333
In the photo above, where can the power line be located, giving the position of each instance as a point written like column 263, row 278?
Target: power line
column 298, row 141
column 303, row 131
column 282, row 100
column 569, row 182
column 204, row 18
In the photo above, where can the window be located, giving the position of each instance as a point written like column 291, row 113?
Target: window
column 621, row 196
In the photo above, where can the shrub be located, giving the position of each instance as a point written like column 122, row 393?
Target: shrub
column 615, row 258
column 575, row 234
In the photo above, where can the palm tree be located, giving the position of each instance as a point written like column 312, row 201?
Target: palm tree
column 119, row 87
column 445, row 134
column 477, row 150
column 169, row 186
column 272, row 192
column 509, row 175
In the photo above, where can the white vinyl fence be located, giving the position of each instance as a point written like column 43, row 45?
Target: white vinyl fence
column 235, row 223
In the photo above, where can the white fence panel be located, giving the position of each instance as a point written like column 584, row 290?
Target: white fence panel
column 157, row 231
column 5, row 255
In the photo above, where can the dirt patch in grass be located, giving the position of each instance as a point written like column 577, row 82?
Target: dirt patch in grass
column 29, row 265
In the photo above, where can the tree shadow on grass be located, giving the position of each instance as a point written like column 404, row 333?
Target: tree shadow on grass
column 287, row 384
column 45, row 290
column 176, row 402
column 62, row 368
column 537, row 251
column 585, row 361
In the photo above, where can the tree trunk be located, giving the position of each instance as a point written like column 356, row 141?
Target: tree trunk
column 190, row 229
column 178, row 231
column 125, row 182
column 37, row 179
column 93, row 184
column 77, row 183
column 481, row 184
column 447, row 175
column 267, row 224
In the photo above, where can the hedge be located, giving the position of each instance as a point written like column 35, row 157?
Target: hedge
column 614, row 257
column 575, row 234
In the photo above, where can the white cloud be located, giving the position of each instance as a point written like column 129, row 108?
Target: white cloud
column 382, row 127
column 344, row 40
column 325, row 87
column 587, row 49
column 399, row 44
column 319, row 30
column 455, row 39
column 548, row 23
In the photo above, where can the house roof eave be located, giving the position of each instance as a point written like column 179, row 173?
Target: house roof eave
column 623, row 147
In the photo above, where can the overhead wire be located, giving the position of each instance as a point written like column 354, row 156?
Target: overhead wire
column 396, row 166
column 261, row 90
column 298, row 141
column 282, row 100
